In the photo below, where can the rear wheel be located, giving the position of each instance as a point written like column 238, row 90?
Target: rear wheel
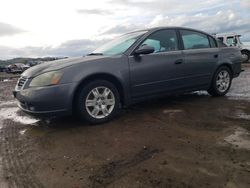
column 246, row 56
column 221, row 82
column 98, row 102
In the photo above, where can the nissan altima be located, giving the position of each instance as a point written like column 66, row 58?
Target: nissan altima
column 133, row 67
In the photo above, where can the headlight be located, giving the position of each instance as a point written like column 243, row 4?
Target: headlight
column 46, row 79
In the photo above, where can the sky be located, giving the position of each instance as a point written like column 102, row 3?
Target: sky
column 41, row 28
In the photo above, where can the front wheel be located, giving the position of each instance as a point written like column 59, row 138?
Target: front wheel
column 221, row 82
column 98, row 102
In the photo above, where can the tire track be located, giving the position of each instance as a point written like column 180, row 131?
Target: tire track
column 17, row 157
column 109, row 173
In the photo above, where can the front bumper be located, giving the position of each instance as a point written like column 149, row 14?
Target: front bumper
column 46, row 101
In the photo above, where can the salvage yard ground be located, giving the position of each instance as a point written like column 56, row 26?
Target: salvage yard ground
column 192, row 140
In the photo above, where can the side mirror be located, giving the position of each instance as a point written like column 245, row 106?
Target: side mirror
column 145, row 49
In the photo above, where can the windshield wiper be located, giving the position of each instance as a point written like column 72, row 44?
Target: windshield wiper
column 95, row 54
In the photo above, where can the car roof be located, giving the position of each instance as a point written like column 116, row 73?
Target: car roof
column 169, row 27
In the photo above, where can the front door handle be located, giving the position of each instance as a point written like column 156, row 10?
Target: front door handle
column 216, row 56
column 178, row 61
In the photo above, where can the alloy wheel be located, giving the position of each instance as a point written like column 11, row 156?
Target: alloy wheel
column 223, row 81
column 100, row 102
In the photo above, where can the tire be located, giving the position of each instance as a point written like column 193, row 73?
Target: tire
column 247, row 54
column 221, row 82
column 94, row 106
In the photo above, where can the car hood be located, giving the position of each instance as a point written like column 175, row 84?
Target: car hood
column 58, row 64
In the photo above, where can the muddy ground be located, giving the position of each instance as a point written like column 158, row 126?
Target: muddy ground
column 192, row 140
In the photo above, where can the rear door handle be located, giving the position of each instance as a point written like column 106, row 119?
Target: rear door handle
column 216, row 56
column 178, row 61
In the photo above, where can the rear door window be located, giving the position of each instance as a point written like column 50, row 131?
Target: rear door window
column 212, row 42
column 194, row 40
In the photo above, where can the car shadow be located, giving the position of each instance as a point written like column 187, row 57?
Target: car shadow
column 62, row 122
column 69, row 122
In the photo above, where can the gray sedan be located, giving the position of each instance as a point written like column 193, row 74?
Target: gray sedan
column 134, row 67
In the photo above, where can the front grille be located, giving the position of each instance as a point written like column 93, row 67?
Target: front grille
column 21, row 81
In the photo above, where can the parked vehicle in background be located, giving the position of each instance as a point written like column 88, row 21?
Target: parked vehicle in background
column 2, row 69
column 32, row 63
column 233, row 39
column 16, row 68
column 134, row 67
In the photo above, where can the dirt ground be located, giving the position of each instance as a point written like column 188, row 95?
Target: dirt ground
column 186, row 141
column 6, row 77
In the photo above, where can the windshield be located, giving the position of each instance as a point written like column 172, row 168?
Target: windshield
column 119, row 45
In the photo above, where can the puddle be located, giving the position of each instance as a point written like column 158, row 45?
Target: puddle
column 22, row 132
column 12, row 113
column 242, row 115
column 201, row 93
column 172, row 111
column 240, row 89
column 238, row 96
column 206, row 172
column 8, row 103
column 240, row 138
